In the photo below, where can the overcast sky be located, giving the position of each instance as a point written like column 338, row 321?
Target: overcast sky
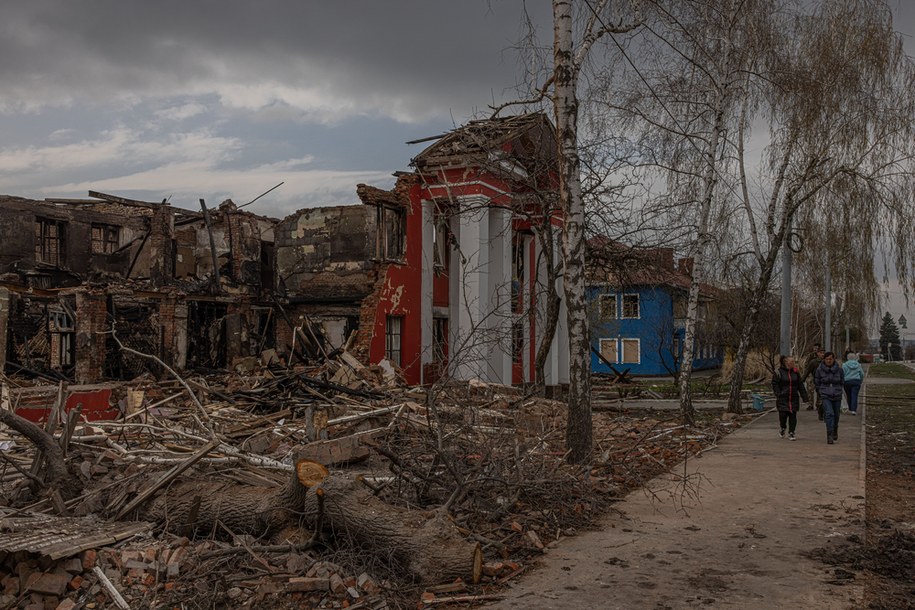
column 192, row 99
column 226, row 99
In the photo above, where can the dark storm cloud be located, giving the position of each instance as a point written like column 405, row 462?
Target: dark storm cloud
column 327, row 59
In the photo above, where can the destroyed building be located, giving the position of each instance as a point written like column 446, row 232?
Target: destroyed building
column 71, row 269
column 443, row 275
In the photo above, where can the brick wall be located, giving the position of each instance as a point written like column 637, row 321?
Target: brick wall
column 161, row 255
column 368, row 314
column 167, row 322
column 91, row 318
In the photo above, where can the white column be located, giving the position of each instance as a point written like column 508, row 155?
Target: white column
column 499, row 312
column 428, row 265
column 468, row 303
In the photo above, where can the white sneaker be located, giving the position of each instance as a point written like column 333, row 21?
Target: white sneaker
column 791, row 436
column 781, row 433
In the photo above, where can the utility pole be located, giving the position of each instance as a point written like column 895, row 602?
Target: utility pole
column 785, row 339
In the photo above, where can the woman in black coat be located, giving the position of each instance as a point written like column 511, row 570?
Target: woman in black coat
column 788, row 388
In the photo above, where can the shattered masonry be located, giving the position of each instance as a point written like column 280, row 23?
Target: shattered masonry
column 442, row 262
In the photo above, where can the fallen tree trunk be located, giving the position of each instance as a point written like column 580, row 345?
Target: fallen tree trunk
column 240, row 509
column 423, row 547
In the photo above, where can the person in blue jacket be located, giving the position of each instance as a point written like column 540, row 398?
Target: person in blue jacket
column 854, row 377
column 787, row 385
column 829, row 381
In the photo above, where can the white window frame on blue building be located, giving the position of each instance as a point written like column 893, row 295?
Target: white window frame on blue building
column 607, row 311
column 638, row 348
column 616, row 351
column 638, row 306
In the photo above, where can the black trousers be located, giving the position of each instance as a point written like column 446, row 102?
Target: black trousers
column 788, row 417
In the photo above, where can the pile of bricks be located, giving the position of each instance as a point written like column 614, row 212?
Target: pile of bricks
column 34, row 583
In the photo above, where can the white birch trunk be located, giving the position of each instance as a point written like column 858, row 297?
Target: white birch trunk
column 565, row 104
column 703, row 237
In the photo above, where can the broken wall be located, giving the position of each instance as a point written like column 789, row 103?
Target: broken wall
column 242, row 242
column 326, row 254
column 73, row 258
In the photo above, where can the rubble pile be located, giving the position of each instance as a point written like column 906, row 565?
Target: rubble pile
column 331, row 486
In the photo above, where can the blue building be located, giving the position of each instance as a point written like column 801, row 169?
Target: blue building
column 638, row 312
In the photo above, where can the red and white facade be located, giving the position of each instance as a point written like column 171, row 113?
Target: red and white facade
column 468, row 300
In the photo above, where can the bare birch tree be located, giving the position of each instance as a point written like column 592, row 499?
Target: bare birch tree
column 681, row 94
column 840, row 108
column 569, row 55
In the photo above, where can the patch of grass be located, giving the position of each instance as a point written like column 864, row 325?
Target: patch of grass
column 879, row 390
column 891, row 369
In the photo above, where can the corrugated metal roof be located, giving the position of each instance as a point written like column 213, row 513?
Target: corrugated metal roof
column 59, row 537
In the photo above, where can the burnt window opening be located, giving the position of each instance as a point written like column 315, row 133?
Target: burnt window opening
column 440, row 340
column 49, row 241
column 206, row 335
column 62, row 331
column 393, row 338
column 391, row 235
column 138, row 328
column 104, row 238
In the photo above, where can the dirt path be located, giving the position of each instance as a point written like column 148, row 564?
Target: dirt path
column 734, row 536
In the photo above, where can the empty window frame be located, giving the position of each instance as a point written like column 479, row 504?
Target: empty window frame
column 608, row 349
column 441, row 239
column 631, row 306
column 608, row 307
column 104, row 238
column 631, row 351
column 518, row 341
column 62, row 332
column 393, row 339
column 518, row 271
column 391, row 233
column 49, row 241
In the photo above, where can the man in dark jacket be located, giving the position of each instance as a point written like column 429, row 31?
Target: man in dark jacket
column 787, row 385
column 813, row 361
column 829, row 381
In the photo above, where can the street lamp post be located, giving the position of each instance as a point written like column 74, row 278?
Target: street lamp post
column 902, row 327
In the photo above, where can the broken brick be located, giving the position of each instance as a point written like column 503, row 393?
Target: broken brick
column 49, row 584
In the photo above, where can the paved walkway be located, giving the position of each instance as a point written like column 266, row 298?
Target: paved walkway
column 732, row 537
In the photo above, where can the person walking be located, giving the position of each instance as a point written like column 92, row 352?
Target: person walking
column 829, row 379
column 787, row 385
column 854, row 377
column 813, row 361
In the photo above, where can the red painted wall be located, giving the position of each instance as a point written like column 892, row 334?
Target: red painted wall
column 401, row 295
